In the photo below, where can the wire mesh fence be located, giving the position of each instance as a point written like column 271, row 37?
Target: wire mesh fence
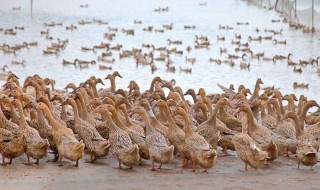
column 304, row 14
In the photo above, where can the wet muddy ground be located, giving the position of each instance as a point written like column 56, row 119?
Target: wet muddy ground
column 227, row 174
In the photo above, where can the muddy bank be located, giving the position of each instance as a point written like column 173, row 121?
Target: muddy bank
column 227, row 174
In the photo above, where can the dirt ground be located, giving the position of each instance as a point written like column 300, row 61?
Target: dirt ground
column 280, row 174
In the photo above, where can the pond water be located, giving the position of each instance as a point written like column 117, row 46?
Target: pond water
column 122, row 13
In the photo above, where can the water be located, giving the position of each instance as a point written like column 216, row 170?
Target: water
column 122, row 13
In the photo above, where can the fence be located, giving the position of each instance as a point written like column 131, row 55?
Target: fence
column 300, row 13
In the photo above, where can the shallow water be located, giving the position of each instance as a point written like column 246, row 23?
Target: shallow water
column 122, row 13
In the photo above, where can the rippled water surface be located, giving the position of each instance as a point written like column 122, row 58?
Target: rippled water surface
column 122, row 13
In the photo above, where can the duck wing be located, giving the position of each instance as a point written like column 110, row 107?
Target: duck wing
column 227, row 90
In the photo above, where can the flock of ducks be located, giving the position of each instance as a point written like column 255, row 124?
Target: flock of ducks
column 240, row 51
column 137, row 125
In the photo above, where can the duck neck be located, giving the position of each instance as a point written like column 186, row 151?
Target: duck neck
column 300, row 105
column 117, row 120
column 152, row 85
column 37, row 89
column 125, row 113
column 94, row 89
column 162, row 113
column 263, row 111
column 299, row 131
column 303, row 114
column 22, row 120
column 80, row 110
column 255, row 94
column 85, row 100
column 14, row 115
column 204, row 112
column 252, row 126
column 105, row 114
column 84, row 107
column 75, row 108
column 145, row 117
column 270, row 109
column 291, row 104
column 209, row 106
column 63, row 115
column 213, row 117
column 53, row 122
column 194, row 96
column 282, row 110
column 171, row 122
column 187, row 127
column 278, row 112
column 48, row 103
column 255, row 112
column 113, row 84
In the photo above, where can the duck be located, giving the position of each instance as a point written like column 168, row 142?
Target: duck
column 136, row 138
column 302, row 85
column 71, row 27
column 244, row 65
column 176, row 135
column 65, row 62
column 68, row 146
column 153, row 121
column 222, row 38
column 96, row 145
column 185, row 70
column 176, row 42
column 4, row 122
column 18, row 62
column 38, row 122
column 275, row 41
column 125, row 150
column 103, row 92
column 261, row 135
column 230, row 121
column 212, row 131
column 285, row 129
column 199, row 149
column 103, row 67
column 88, row 49
column 159, row 150
column 84, row 62
column 11, row 146
column 249, row 152
column 255, row 94
column 36, row 146
column 307, row 144
column 297, row 70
